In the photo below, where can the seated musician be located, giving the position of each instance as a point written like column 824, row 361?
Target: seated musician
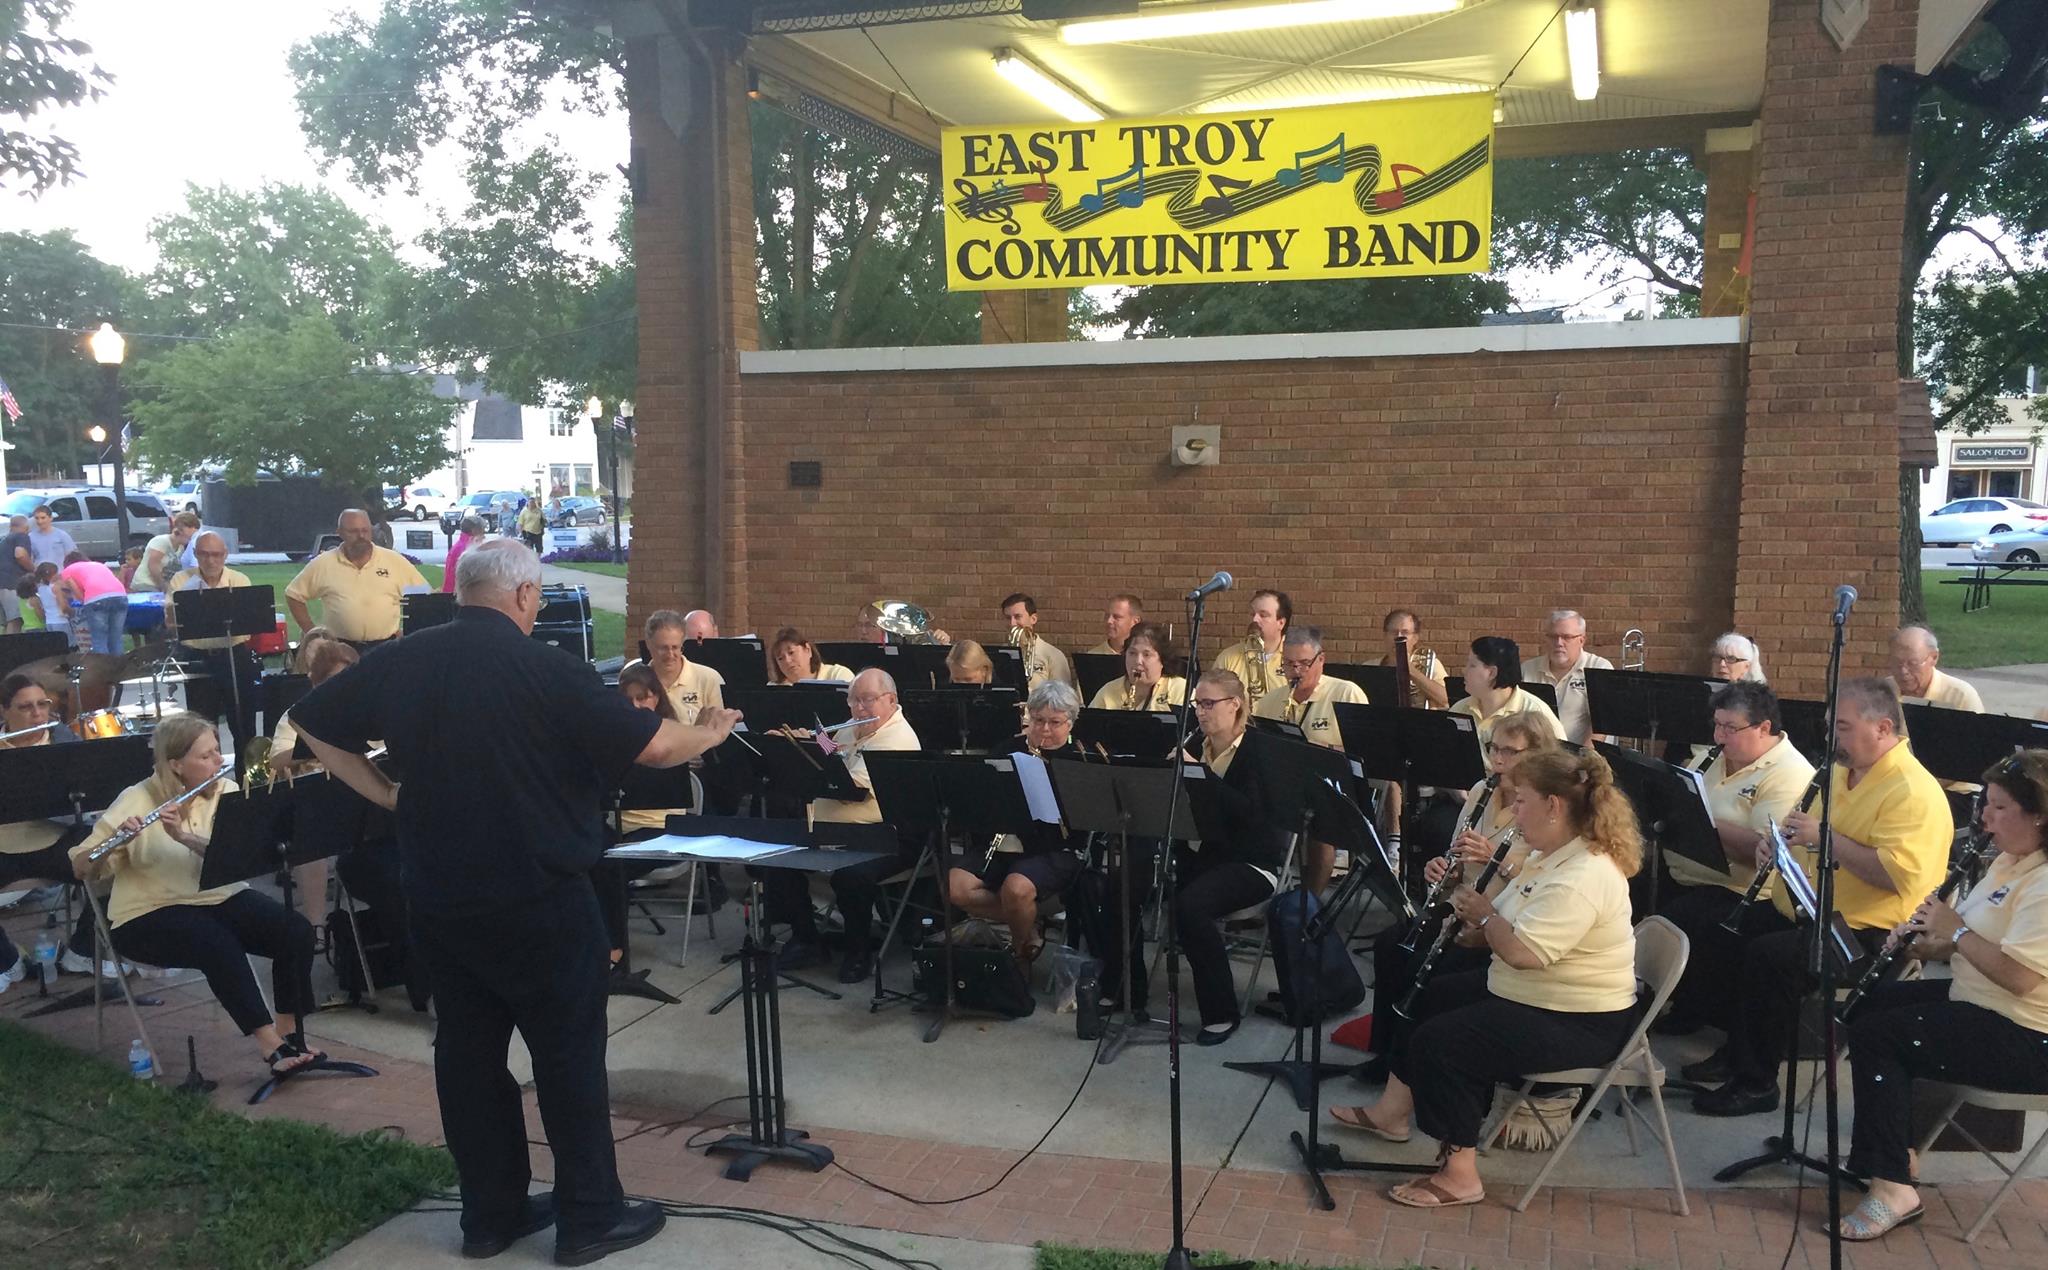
column 222, row 657
column 1042, row 661
column 1563, row 666
column 1514, row 738
column 1044, row 861
column 871, row 696
column 1255, row 659
column 1755, row 780
column 699, row 625
column 967, row 663
column 1426, row 672
column 1736, row 658
column 691, row 688
column 322, row 659
column 1891, row 835
column 159, row 914
column 1558, row 991
column 28, row 850
column 1145, row 685
column 1222, row 876
column 1309, row 699
column 1986, row 1026
column 1493, row 683
column 1917, row 673
column 644, row 690
column 792, row 658
column 1119, row 618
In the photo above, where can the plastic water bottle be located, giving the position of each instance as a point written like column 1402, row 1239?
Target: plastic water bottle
column 140, row 1065
column 46, row 957
column 926, row 935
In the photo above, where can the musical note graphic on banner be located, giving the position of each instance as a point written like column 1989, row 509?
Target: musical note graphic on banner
column 992, row 207
column 1391, row 200
column 1131, row 195
column 1219, row 204
column 1328, row 171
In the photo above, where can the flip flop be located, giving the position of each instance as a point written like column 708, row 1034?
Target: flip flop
column 1874, row 1219
column 1352, row 1118
column 1438, row 1196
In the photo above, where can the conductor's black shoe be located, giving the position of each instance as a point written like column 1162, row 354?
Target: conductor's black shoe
column 1714, row 1069
column 1736, row 1099
column 856, row 966
column 642, row 1222
column 798, row 953
column 539, row 1214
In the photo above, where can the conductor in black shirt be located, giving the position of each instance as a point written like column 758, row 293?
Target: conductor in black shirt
column 505, row 747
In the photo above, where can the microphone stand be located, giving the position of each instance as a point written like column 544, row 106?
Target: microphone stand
column 1823, row 965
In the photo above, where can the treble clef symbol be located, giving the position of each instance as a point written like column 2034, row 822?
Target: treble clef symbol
column 992, row 207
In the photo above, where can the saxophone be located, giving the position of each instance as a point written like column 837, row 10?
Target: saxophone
column 1258, row 679
column 1131, row 693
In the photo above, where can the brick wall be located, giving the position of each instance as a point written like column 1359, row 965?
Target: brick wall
column 1482, row 490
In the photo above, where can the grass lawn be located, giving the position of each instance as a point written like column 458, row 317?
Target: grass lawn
column 605, row 567
column 103, row 1170
column 1061, row 1257
column 2012, row 632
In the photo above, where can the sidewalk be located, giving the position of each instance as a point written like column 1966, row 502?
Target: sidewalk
column 606, row 592
column 2020, row 690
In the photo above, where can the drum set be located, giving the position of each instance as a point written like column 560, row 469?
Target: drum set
column 117, row 694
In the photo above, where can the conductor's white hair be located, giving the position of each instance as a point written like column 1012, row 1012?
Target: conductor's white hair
column 491, row 567
column 1058, row 696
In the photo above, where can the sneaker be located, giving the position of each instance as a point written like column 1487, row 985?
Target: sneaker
column 14, row 974
column 72, row 963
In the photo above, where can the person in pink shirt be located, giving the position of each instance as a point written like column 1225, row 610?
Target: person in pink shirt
column 92, row 595
column 471, row 529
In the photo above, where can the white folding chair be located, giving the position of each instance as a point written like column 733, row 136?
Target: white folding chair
column 1261, row 910
column 106, row 945
column 1661, row 951
column 1989, row 1100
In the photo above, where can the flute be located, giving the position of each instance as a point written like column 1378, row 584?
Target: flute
column 1430, row 910
column 1406, row 1006
column 40, row 727
column 1767, row 865
column 1979, row 846
column 122, row 837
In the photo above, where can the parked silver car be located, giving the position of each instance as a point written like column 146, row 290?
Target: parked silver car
column 2014, row 546
column 86, row 512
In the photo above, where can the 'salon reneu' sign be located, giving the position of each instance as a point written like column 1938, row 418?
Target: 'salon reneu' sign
column 1364, row 190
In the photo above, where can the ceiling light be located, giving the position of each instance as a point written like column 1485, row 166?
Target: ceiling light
column 1049, row 92
column 1168, row 22
column 1582, row 47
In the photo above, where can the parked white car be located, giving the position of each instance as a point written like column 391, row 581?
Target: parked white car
column 420, row 502
column 1963, row 522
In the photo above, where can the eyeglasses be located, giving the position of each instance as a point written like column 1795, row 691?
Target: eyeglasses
column 1725, row 659
column 1304, row 664
column 866, row 699
column 1506, row 751
column 1729, row 729
column 1210, row 703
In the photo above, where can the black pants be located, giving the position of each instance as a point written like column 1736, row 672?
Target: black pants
column 1204, row 894
column 856, row 889
column 370, row 871
column 1774, row 980
column 216, row 940
column 1908, row 1031
column 232, row 670
column 1116, row 932
column 1712, row 988
column 538, row 966
column 1393, row 970
column 53, row 864
column 1469, row 1041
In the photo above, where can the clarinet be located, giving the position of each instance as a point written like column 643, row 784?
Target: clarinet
column 1975, row 850
column 1406, row 1006
column 122, row 838
column 1765, row 867
column 1431, row 912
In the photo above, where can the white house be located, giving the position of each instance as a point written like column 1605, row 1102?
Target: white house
column 502, row 445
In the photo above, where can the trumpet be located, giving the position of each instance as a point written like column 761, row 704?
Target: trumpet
column 122, row 837
column 1405, row 1007
column 1431, row 911
column 1962, row 871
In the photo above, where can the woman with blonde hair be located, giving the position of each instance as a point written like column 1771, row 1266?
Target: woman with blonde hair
column 159, row 914
column 1559, row 989
column 967, row 662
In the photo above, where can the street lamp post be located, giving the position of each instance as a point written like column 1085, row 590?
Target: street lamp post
column 108, row 349
column 609, row 439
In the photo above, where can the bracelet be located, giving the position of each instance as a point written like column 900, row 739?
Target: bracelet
column 1484, row 920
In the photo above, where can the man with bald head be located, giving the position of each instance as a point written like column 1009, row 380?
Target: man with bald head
column 699, row 624
column 359, row 583
column 1916, row 672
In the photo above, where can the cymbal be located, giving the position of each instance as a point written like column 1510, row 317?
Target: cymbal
column 143, row 660
column 97, row 671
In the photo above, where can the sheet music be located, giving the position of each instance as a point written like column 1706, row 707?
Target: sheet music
column 1792, row 876
column 1698, row 780
column 714, row 847
column 1037, row 783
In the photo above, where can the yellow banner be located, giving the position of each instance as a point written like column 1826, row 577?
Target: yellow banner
column 1364, row 190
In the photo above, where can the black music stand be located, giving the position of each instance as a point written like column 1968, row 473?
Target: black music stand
column 248, row 842
column 1380, row 683
column 1145, row 734
column 1412, row 747
column 769, row 1136
column 22, row 647
column 966, row 717
column 1651, row 706
column 422, row 610
column 910, row 665
column 1960, row 745
column 643, row 789
column 741, row 662
column 1095, row 670
column 1009, row 667
column 1668, row 806
column 222, row 613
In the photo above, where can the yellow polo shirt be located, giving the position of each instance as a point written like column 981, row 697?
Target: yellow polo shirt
column 1170, row 691
column 361, row 604
column 896, row 734
column 1570, row 908
column 1518, row 702
column 696, row 689
column 1317, row 716
column 1247, row 666
column 1946, row 690
column 1106, row 650
column 1755, row 796
column 1046, row 662
column 2009, row 907
column 156, row 870
column 1898, row 810
column 1574, row 712
column 191, row 580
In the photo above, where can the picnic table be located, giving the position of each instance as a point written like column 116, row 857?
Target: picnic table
column 1983, row 578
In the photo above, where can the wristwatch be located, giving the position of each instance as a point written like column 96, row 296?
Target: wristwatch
column 1956, row 940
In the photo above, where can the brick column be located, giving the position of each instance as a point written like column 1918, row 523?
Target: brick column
column 1024, row 317
column 1820, row 462
column 1730, row 161
column 693, row 232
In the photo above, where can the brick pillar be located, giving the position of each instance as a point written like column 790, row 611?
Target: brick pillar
column 693, row 231
column 1024, row 317
column 1820, row 463
column 1730, row 162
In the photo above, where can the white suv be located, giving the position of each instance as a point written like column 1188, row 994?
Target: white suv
column 86, row 512
column 418, row 502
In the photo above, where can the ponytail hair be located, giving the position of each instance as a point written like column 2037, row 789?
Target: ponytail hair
column 1599, row 812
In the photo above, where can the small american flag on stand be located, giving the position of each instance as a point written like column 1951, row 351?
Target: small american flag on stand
column 8, row 403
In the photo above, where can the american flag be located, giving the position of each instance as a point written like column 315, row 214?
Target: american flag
column 8, row 403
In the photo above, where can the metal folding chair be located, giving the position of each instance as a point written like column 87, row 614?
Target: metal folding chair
column 1989, row 1100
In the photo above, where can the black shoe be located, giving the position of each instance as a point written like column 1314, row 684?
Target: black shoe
column 1736, row 1099
column 538, row 1216
column 797, row 954
column 1207, row 1037
column 1676, row 1024
column 856, row 966
column 1714, row 1069
column 642, row 1222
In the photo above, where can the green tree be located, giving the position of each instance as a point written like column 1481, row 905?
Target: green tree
column 51, row 290
column 1332, row 304
column 40, row 68
column 296, row 398
column 1626, row 215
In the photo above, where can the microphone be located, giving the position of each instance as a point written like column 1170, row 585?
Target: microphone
column 1845, row 599
column 1221, row 582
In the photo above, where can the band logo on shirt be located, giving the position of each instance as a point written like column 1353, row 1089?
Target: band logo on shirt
column 383, row 573
column 1997, row 897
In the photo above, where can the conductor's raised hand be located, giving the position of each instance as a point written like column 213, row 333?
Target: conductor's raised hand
column 719, row 719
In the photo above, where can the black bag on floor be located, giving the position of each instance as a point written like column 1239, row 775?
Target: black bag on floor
column 1328, row 977
column 383, row 948
column 985, row 980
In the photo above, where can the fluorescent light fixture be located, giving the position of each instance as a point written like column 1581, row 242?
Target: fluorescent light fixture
column 1582, row 47
column 1176, row 21
column 1049, row 92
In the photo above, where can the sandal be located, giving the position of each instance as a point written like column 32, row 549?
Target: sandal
column 289, row 1058
column 1874, row 1219
column 1354, row 1118
column 1426, row 1193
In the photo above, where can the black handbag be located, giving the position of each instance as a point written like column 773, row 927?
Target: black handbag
column 985, row 980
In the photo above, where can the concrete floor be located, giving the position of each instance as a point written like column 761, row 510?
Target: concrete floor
column 2018, row 690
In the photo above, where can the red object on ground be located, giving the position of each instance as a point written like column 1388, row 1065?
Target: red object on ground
column 267, row 645
column 1356, row 1034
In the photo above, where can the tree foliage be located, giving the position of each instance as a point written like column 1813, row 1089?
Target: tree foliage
column 1627, row 215
column 51, row 290
column 1332, row 304
column 40, row 69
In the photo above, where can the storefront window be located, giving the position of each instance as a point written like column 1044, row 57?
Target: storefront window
column 2006, row 484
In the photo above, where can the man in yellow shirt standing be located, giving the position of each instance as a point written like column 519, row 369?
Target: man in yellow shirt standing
column 359, row 582
column 1891, row 834
column 1308, row 700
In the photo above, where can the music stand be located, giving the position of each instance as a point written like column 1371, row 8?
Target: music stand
column 1669, row 808
column 22, row 647
column 422, row 610
column 741, row 662
column 248, row 842
column 1960, row 745
column 1651, row 706
column 1095, row 670
column 1412, row 747
column 1009, row 667
column 1143, row 734
column 222, row 613
column 1379, row 682
column 967, row 716
column 644, row 789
